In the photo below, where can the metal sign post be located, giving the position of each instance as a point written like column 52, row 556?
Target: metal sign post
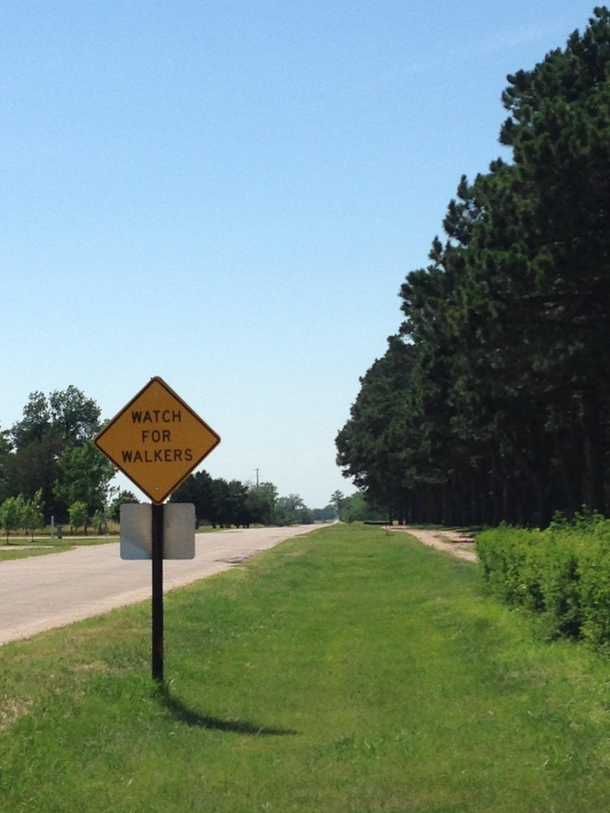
column 157, row 440
column 157, row 593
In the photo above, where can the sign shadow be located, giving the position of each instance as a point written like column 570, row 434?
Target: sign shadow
column 194, row 719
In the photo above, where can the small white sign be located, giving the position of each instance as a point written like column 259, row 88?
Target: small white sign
column 178, row 531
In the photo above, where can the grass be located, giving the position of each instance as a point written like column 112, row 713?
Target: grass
column 113, row 529
column 343, row 671
column 26, row 553
column 23, row 548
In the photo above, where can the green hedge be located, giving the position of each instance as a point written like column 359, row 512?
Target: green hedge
column 562, row 573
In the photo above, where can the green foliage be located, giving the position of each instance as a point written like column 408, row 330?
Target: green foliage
column 218, row 502
column 5, row 449
column 356, row 508
column 123, row 496
column 99, row 523
column 50, row 430
column 78, row 515
column 366, row 662
column 84, row 476
column 325, row 514
column 11, row 514
column 494, row 402
column 337, row 500
column 289, row 510
column 376, row 444
column 260, row 503
column 562, row 573
column 33, row 514
column 306, row 516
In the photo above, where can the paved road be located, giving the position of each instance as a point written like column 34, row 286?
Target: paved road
column 44, row 592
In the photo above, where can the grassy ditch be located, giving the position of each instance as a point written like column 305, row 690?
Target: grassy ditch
column 345, row 671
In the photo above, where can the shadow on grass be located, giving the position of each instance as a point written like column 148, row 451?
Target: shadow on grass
column 193, row 719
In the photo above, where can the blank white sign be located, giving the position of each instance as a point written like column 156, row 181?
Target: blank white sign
column 178, row 531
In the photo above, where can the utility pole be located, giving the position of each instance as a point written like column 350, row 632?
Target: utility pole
column 257, row 471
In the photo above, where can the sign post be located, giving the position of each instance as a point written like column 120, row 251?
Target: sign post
column 157, row 593
column 157, row 440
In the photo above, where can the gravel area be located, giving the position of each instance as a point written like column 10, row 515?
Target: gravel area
column 456, row 543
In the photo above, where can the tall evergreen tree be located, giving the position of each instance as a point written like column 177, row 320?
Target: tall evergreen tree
column 504, row 391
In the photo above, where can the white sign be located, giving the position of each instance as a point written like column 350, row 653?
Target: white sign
column 178, row 531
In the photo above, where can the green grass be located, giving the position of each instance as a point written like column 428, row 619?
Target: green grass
column 345, row 671
column 26, row 553
column 22, row 548
column 50, row 532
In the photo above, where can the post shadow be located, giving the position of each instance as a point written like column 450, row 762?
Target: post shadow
column 194, row 719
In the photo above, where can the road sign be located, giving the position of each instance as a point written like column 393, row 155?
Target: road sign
column 178, row 530
column 156, row 440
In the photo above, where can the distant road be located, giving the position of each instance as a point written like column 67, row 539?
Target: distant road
column 44, row 592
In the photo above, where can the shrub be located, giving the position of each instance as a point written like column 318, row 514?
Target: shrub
column 594, row 569
column 562, row 573
column 78, row 515
column 508, row 565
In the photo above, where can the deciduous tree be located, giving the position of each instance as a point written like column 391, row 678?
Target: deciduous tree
column 11, row 515
column 33, row 514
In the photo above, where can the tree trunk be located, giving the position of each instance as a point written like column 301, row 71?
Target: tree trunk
column 594, row 448
column 543, row 504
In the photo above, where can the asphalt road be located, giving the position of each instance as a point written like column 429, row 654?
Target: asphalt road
column 44, row 592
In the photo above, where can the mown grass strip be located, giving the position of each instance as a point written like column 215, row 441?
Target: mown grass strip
column 23, row 548
column 343, row 671
column 25, row 553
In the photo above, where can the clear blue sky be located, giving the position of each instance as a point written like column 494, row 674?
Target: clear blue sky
column 229, row 195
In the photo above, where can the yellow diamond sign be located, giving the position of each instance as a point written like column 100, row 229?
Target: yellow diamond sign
column 156, row 440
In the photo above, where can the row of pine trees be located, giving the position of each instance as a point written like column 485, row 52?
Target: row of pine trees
column 492, row 402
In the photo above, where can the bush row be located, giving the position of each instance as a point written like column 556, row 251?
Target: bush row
column 562, row 573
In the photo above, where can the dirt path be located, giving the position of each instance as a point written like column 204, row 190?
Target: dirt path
column 453, row 542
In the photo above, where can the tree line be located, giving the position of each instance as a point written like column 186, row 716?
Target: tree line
column 491, row 402
column 49, row 467
column 219, row 502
